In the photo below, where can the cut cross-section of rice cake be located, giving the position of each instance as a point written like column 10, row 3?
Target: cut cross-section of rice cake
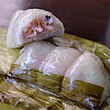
column 32, row 25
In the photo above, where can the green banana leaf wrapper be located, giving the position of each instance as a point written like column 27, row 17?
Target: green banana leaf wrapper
column 82, row 93
column 37, row 98
column 50, row 82
column 87, row 94
column 8, row 56
column 4, row 106
column 12, row 96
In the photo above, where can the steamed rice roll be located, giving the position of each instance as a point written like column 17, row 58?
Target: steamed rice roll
column 33, row 54
column 59, row 59
column 89, row 78
column 32, row 25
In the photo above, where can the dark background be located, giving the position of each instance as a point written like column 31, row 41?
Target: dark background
column 86, row 18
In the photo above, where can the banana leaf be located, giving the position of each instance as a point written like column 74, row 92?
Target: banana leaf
column 19, row 95
column 106, row 108
column 4, row 106
column 44, row 99
column 23, row 97
column 87, row 94
column 8, row 56
column 13, row 97
column 50, row 82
